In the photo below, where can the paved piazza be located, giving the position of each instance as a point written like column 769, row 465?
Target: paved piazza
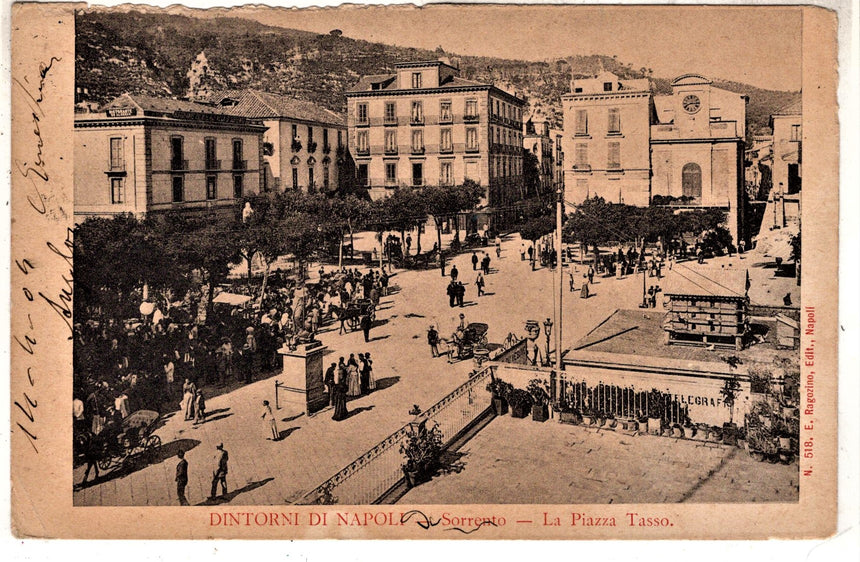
column 264, row 472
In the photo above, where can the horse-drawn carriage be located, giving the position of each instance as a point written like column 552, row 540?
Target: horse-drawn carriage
column 463, row 343
column 351, row 314
column 117, row 445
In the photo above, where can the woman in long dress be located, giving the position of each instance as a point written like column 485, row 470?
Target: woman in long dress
column 367, row 370
column 339, row 397
column 187, row 403
column 270, row 424
column 353, row 378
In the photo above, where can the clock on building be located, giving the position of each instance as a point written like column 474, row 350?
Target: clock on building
column 691, row 103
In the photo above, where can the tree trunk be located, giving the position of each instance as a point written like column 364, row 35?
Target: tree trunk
column 438, row 222
column 418, row 240
column 248, row 259
column 381, row 249
column 265, row 281
column 351, row 243
column 340, row 252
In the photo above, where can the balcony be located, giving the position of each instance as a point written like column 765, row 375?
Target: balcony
column 471, row 118
column 362, row 122
column 240, row 164
column 116, row 167
column 213, row 164
column 416, row 121
column 178, row 165
column 417, row 182
column 312, row 147
column 472, row 149
column 446, row 119
column 390, row 151
column 362, row 151
column 417, row 150
column 390, row 122
column 582, row 167
column 446, row 149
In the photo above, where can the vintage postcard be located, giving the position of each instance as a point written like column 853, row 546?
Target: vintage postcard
column 459, row 271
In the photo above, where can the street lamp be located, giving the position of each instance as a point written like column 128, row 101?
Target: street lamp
column 547, row 329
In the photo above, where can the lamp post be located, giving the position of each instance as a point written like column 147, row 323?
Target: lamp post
column 559, row 273
column 547, row 329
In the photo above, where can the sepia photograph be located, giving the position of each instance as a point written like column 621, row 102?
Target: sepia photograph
column 373, row 268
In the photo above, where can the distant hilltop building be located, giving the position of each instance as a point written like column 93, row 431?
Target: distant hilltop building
column 423, row 124
column 139, row 154
column 627, row 145
column 783, row 207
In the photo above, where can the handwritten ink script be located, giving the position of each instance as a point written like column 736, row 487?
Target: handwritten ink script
column 40, row 290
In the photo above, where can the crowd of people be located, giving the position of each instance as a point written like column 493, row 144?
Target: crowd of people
column 162, row 361
column 348, row 379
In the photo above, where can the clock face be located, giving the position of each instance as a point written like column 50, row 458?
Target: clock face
column 691, row 103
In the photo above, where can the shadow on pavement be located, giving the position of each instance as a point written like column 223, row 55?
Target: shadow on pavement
column 382, row 384
column 358, row 411
column 141, row 461
column 286, row 433
column 228, row 497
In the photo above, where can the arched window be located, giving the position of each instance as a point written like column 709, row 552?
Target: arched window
column 691, row 180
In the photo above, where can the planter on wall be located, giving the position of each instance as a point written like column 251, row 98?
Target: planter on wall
column 500, row 406
column 540, row 413
column 655, row 426
column 568, row 417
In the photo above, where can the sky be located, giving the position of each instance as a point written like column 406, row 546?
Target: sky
column 755, row 45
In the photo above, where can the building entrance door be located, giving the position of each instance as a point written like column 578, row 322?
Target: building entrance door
column 793, row 179
column 691, row 181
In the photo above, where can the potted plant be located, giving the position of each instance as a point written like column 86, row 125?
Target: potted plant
column 296, row 145
column 500, row 391
column 655, row 412
column 520, row 402
column 729, row 392
column 540, row 400
column 588, row 415
column 421, row 450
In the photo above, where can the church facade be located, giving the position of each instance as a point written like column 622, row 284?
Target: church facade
column 684, row 149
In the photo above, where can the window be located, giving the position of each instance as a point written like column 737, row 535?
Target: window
column 582, row 187
column 471, row 109
column 361, row 112
column 238, row 163
column 325, row 178
column 295, row 132
column 390, row 172
column 176, row 154
column 237, row 186
column 339, row 139
column 325, row 139
column 117, row 193
column 417, row 112
column 390, row 113
column 445, row 174
column 418, row 141
column 417, row 173
column 310, row 134
column 577, row 90
column 295, row 178
column 416, row 79
column 581, row 155
column 581, row 122
column 177, row 189
column 691, row 180
column 614, row 121
column 117, row 160
column 311, row 179
column 361, row 172
column 613, row 161
column 471, row 139
column 607, row 86
column 391, row 141
column 445, row 112
column 795, row 133
column 498, row 136
column 211, row 187
column 361, row 143
column 445, row 143
column 211, row 154
column 497, row 108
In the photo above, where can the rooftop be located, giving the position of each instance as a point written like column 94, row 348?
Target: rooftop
column 264, row 105
column 152, row 104
column 388, row 82
column 707, row 282
column 638, row 335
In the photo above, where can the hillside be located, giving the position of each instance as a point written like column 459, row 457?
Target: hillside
column 153, row 53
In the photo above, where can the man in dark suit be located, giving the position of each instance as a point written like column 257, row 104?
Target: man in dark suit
column 220, row 472
column 329, row 382
column 366, row 324
column 181, row 477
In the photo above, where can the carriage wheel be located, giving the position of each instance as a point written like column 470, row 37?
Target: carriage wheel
column 483, row 341
column 153, row 442
column 353, row 322
column 105, row 463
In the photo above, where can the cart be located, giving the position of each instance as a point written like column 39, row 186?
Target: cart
column 474, row 337
column 132, row 438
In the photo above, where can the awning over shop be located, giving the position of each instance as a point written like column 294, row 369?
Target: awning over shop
column 231, row 298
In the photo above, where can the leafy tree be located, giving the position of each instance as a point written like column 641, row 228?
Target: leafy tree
column 536, row 228
column 345, row 215
column 531, row 175
column 592, row 224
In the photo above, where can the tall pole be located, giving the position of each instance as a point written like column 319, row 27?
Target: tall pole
column 559, row 275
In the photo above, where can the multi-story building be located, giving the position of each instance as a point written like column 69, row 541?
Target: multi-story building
column 784, row 197
column 304, row 144
column 629, row 146
column 537, row 141
column 424, row 124
column 140, row 154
